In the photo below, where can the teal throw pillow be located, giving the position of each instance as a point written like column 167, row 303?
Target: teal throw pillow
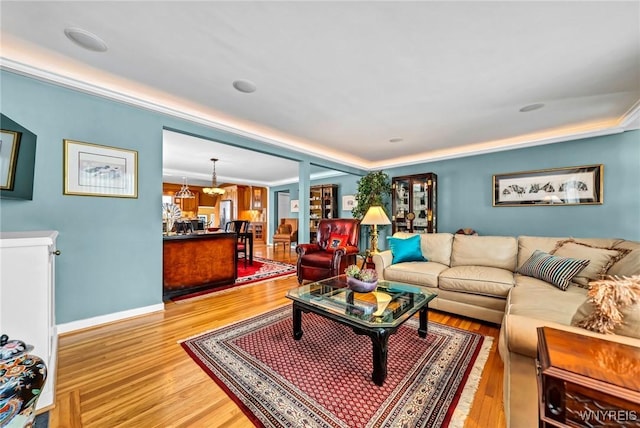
column 406, row 250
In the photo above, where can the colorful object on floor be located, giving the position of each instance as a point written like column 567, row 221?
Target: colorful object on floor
column 21, row 379
column 324, row 379
column 261, row 270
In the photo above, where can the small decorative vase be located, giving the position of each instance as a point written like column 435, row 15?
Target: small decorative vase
column 360, row 286
column 22, row 377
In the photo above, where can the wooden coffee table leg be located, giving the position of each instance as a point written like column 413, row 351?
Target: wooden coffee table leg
column 297, row 322
column 380, row 340
column 422, row 329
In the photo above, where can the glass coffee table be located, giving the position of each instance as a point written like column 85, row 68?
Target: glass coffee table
column 377, row 314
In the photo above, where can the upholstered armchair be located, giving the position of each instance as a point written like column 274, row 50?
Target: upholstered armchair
column 336, row 247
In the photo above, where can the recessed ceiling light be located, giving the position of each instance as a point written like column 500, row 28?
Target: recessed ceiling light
column 395, row 140
column 531, row 107
column 245, row 86
column 85, row 39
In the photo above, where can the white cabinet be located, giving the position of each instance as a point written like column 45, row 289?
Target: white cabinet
column 27, row 297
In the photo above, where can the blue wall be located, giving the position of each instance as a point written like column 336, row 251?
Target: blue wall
column 465, row 189
column 112, row 248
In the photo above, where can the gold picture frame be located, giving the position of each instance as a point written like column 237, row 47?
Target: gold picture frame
column 576, row 185
column 9, row 147
column 96, row 170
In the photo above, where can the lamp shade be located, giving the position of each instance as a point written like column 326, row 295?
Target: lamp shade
column 375, row 216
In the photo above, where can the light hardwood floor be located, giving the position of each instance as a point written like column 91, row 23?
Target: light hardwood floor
column 133, row 373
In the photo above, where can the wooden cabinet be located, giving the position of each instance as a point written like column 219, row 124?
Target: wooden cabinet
column 323, row 203
column 586, row 381
column 414, row 203
column 258, row 230
column 27, row 303
column 257, row 198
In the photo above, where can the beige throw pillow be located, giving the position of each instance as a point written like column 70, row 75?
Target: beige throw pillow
column 600, row 259
column 613, row 307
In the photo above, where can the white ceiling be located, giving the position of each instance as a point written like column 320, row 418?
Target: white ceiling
column 340, row 79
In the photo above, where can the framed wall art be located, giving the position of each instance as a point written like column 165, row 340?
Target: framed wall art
column 348, row 202
column 9, row 145
column 575, row 185
column 94, row 170
column 295, row 205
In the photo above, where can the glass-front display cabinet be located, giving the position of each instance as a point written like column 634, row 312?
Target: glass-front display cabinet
column 414, row 203
column 323, row 203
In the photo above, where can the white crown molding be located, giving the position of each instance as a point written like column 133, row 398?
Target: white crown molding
column 89, row 88
column 629, row 121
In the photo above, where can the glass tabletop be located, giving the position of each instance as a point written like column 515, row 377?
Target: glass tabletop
column 389, row 305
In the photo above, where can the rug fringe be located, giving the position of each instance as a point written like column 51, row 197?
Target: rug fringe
column 465, row 402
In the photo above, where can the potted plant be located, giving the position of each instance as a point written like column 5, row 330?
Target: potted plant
column 361, row 280
column 373, row 189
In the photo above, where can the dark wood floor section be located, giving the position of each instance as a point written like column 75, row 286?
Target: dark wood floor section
column 133, row 373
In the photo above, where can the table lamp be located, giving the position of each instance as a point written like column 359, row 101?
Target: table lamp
column 375, row 216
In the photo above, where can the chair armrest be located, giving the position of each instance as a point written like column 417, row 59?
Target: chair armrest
column 348, row 249
column 303, row 249
column 382, row 261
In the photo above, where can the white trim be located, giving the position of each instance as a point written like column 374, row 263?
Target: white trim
column 626, row 122
column 104, row 319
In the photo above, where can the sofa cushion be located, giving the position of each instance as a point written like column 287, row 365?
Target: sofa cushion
column 535, row 298
column 491, row 251
column 554, row 269
column 419, row 273
column 600, row 259
column 406, row 249
column 436, row 247
column 487, row 281
column 629, row 265
column 528, row 244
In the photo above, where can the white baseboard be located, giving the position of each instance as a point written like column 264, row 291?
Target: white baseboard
column 104, row 319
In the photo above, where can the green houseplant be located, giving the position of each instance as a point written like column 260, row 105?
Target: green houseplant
column 373, row 189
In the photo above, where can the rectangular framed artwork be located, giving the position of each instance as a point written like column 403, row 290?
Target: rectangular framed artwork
column 576, row 185
column 95, row 170
column 9, row 145
column 348, row 202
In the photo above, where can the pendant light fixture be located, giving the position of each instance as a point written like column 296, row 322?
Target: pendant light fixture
column 214, row 189
column 184, row 192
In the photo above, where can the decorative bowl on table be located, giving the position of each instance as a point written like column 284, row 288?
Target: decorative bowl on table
column 361, row 280
column 361, row 286
column 213, row 229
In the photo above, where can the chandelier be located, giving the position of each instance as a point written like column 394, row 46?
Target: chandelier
column 184, row 192
column 214, row 189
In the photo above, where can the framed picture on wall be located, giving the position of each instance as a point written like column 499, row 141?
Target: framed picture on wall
column 9, row 145
column 94, row 170
column 348, row 202
column 575, row 185
column 295, row 205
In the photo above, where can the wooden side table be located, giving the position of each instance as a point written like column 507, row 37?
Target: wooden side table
column 585, row 381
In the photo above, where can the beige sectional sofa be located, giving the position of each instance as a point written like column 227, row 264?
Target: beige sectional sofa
column 477, row 276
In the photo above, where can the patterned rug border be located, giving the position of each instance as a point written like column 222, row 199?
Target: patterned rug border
column 459, row 408
column 240, row 285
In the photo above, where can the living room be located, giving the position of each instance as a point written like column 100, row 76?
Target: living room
column 111, row 264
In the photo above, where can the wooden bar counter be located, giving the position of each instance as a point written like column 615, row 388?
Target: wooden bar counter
column 196, row 262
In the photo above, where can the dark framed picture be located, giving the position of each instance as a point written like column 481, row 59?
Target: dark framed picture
column 9, row 145
column 94, row 170
column 575, row 185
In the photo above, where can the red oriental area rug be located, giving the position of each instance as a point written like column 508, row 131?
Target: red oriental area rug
column 324, row 380
column 261, row 270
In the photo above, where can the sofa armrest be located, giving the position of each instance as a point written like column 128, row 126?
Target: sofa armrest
column 382, row 260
